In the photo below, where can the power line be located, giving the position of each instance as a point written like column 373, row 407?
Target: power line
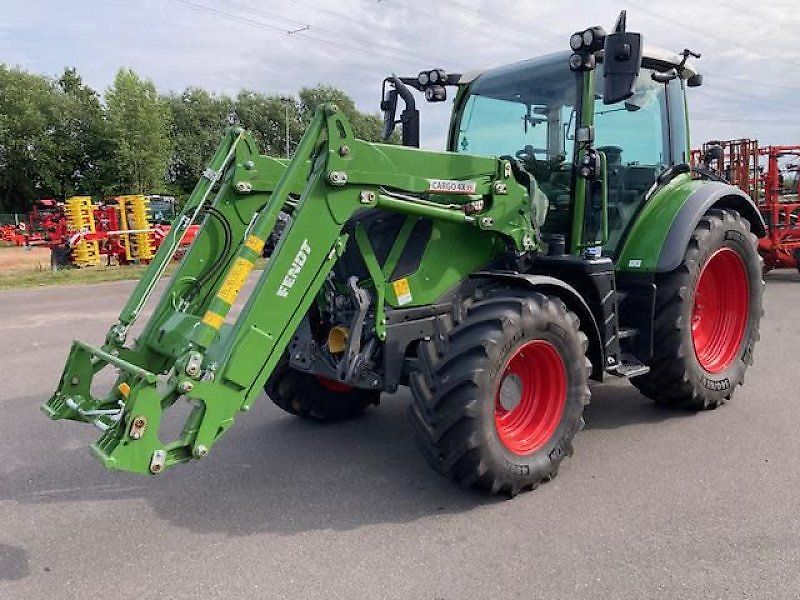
column 396, row 5
column 349, row 18
column 302, row 29
column 302, row 26
column 701, row 32
column 749, row 82
column 465, row 9
column 298, row 32
column 728, row 41
column 757, row 12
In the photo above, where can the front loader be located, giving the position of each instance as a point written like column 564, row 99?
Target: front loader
column 562, row 237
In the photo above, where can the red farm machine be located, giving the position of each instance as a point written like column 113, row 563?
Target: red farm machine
column 771, row 176
column 125, row 229
column 45, row 225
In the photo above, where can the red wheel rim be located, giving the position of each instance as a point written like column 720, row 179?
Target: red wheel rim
column 720, row 311
column 530, row 397
column 332, row 385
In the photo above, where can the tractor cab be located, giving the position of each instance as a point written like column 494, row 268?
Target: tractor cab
column 531, row 110
column 528, row 110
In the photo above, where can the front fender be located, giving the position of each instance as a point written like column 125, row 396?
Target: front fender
column 571, row 298
column 658, row 238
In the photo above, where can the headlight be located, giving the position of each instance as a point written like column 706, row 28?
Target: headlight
column 576, row 41
column 438, row 76
column 423, row 78
column 575, row 62
column 588, row 37
column 435, row 93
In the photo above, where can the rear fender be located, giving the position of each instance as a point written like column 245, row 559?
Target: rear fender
column 658, row 239
column 711, row 195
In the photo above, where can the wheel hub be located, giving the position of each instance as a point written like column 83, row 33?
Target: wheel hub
column 530, row 397
column 720, row 310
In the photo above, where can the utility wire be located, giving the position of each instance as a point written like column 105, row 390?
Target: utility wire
column 727, row 41
column 701, row 32
column 349, row 18
column 526, row 29
column 298, row 32
column 497, row 41
column 302, row 29
column 732, row 96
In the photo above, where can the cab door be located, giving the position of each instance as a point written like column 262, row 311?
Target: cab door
column 640, row 137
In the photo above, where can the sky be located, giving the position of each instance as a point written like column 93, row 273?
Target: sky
column 751, row 74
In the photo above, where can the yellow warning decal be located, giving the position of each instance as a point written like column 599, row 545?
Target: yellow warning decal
column 255, row 244
column 235, row 280
column 402, row 291
column 124, row 389
column 212, row 319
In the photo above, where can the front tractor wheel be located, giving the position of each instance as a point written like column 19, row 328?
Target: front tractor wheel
column 707, row 317
column 317, row 398
column 497, row 404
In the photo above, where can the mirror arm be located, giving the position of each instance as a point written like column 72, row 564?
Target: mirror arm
column 409, row 118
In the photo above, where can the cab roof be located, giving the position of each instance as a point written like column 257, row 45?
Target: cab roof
column 652, row 57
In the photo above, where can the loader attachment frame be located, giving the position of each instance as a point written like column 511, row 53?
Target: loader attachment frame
column 192, row 348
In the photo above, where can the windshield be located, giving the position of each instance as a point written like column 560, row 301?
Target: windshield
column 523, row 110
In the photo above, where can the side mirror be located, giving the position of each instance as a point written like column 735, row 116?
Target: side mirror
column 409, row 118
column 695, row 80
column 622, row 59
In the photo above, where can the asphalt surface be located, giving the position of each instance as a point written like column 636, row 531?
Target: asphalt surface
column 654, row 504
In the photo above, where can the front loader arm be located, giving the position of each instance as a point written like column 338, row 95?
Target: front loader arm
column 191, row 348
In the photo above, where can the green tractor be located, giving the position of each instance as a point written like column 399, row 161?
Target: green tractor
column 561, row 238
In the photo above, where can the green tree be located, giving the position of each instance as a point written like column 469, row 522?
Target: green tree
column 58, row 139
column 82, row 140
column 139, row 121
column 365, row 126
column 28, row 117
column 266, row 117
column 198, row 122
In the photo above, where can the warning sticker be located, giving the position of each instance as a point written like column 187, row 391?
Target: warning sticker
column 402, row 291
column 235, row 280
column 212, row 319
column 255, row 244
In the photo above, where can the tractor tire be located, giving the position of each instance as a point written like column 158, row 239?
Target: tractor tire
column 708, row 312
column 498, row 398
column 316, row 398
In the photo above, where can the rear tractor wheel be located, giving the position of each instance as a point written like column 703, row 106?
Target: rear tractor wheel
column 497, row 404
column 707, row 316
column 317, row 398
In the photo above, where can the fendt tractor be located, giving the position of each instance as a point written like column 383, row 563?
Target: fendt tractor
column 562, row 237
